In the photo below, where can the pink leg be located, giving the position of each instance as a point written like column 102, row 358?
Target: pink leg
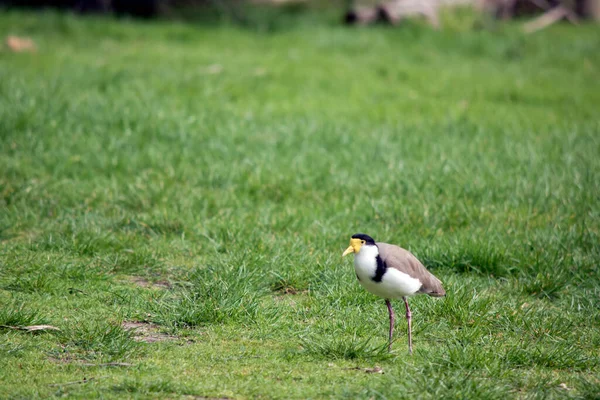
column 391, row 311
column 408, row 318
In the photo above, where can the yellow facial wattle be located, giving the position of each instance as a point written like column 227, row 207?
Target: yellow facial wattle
column 355, row 245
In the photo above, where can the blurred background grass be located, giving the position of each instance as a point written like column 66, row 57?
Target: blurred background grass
column 203, row 180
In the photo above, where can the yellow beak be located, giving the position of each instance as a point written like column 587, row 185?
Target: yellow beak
column 348, row 251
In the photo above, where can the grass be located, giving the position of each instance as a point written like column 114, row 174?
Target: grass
column 207, row 179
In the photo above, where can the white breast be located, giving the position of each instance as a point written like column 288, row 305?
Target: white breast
column 394, row 285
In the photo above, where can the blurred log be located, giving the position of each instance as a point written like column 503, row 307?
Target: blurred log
column 549, row 17
column 394, row 11
column 140, row 8
column 92, row 6
column 20, row 44
column 588, row 9
column 506, row 9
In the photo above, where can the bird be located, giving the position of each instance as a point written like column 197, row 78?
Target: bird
column 391, row 272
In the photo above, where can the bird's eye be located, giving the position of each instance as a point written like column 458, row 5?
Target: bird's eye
column 362, row 241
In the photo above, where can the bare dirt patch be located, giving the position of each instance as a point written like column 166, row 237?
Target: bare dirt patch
column 65, row 359
column 146, row 332
column 293, row 290
column 143, row 282
column 375, row 370
column 210, row 398
column 288, row 290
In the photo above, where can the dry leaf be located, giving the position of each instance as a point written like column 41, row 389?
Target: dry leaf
column 35, row 328
column 19, row 44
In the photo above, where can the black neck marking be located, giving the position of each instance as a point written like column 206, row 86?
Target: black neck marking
column 381, row 268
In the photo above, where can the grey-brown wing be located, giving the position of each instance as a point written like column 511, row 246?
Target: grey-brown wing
column 404, row 261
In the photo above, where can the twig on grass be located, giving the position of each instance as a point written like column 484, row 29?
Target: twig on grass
column 375, row 370
column 79, row 382
column 110, row 364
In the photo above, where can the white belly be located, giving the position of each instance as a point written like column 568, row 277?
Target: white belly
column 394, row 284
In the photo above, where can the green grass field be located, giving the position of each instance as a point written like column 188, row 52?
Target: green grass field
column 175, row 199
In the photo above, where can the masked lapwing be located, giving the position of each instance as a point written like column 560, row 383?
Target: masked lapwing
column 391, row 272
